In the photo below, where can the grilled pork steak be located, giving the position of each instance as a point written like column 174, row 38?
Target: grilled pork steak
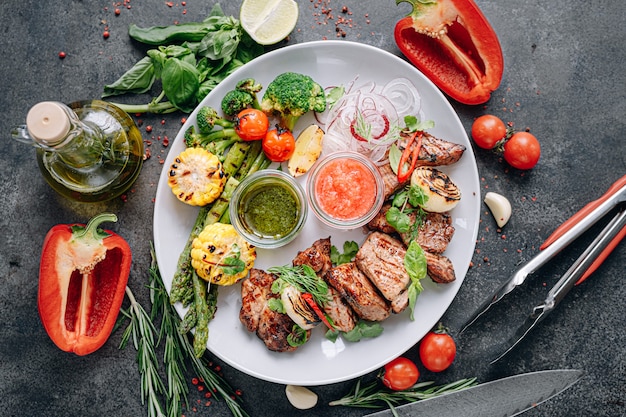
column 440, row 268
column 358, row 291
column 270, row 326
column 342, row 315
column 317, row 256
column 434, row 235
column 381, row 259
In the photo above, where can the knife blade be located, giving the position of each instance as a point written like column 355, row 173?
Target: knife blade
column 504, row 397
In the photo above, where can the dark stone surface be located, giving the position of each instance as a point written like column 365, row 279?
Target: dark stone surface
column 564, row 79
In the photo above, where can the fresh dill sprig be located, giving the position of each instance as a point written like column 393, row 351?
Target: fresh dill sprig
column 374, row 395
column 303, row 278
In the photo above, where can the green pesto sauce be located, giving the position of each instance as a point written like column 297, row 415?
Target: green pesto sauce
column 271, row 210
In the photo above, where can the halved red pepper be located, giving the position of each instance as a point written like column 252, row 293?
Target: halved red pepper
column 82, row 279
column 453, row 44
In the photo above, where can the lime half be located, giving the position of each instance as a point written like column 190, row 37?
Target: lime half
column 268, row 21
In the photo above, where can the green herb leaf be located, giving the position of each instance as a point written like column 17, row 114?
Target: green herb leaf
column 415, row 266
column 350, row 248
column 415, row 125
column 297, row 337
column 276, row 304
column 180, row 83
column 137, row 80
column 398, row 220
column 364, row 330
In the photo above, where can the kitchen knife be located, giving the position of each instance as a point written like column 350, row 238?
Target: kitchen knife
column 504, row 397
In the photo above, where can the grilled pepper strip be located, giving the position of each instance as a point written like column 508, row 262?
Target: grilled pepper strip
column 454, row 45
column 82, row 279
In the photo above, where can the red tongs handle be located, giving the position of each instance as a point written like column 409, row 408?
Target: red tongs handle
column 567, row 224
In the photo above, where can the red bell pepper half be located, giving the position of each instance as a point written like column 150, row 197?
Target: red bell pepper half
column 82, row 280
column 453, row 44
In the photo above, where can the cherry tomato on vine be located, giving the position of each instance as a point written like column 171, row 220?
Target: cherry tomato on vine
column 251, row 124
column 437, row 351
column 400, row 374
column 487, row 131
column 279, row 144
column 522, row 150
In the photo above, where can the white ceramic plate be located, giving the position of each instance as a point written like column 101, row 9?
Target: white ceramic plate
column 320, row 361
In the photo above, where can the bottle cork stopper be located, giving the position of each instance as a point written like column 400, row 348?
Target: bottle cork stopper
column 47, row 122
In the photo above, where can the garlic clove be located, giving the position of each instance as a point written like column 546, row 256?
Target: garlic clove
column 443, row 194
column 500, row 207
column 300, row 397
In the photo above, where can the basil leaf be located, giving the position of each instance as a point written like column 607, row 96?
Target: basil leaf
column 394, row 158
column 276, row 304
column 398, row 220
column 363, row 330
column 180, row 82
column 415, row 265
column 138, row 79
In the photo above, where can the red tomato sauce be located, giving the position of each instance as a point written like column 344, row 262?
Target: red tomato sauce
column 345, row 189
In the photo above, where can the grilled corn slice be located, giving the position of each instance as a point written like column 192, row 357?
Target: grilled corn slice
column 196, row 177
column 220, row 255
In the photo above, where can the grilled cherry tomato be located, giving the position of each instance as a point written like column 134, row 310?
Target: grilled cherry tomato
column 437, row 351
column 487, row 131
column 522, row 150
column 279, row 144
column 400, row 374
column 251, row 124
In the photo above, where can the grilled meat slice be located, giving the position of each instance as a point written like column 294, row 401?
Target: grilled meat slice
column 381, row 259
column 434, row 234
column 270, row 326
column 358, row 291
column 317, row 256
column 343, row 317
column 255, row 291
column 390, row 179
column 274, row 328
column 435, row 151
column 440, row 268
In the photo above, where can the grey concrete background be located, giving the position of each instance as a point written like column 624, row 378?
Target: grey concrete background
column 564, row 79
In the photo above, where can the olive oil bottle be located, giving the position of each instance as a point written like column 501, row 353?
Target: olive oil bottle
column 87, row 151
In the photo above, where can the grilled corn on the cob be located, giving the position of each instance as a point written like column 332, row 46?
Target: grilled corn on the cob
column 220, row 255
column 196, row 177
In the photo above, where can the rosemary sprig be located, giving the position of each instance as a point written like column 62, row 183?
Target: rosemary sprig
column 141, row 330
column 177, row 350
column 182, row 349
column 374, row 395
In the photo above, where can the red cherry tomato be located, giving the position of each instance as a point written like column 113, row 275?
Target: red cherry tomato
column 487, row 131
column 522, row 150
column 251, row 124
column 400, row 374
column 279, row 144
column 437, row 351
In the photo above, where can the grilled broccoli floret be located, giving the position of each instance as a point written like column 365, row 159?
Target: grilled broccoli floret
column 243, row 96
column 290, row 95
column 207, row 118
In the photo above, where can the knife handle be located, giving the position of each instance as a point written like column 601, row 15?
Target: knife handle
column 582, row 213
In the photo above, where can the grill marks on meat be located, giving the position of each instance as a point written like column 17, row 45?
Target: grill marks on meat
column 440, row 268
column 435, row 151
column 359, row 292
column 317, row 256
column 381, row 259
column 434, row 234
column 270, row 326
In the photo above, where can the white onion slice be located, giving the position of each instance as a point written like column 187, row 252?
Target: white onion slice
column 404, row 96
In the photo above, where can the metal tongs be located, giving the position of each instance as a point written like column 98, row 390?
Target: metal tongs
column 589, row 260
